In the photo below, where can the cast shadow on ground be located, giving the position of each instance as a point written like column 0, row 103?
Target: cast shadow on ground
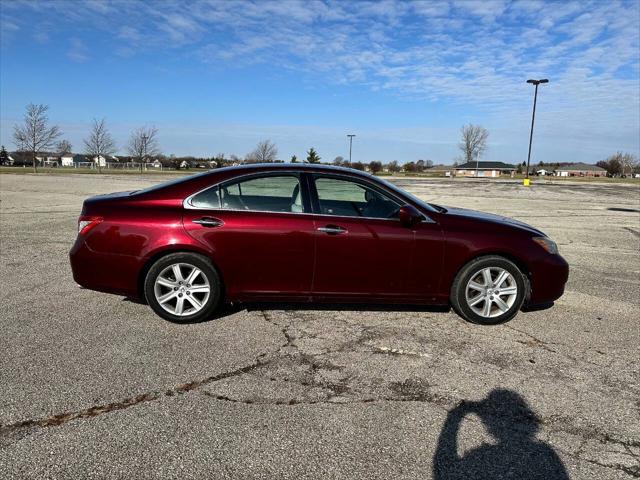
column 227, row 309
column 516, row 453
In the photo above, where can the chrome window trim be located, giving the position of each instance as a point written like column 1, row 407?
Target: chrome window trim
column 186, row 203
column 348, row 178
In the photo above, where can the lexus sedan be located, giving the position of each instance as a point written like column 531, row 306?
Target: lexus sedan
column 308, row 233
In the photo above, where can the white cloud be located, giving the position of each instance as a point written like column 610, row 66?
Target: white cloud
column 78, row 51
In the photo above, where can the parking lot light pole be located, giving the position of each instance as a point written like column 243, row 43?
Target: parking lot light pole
column 533, row 118
column 350, row 144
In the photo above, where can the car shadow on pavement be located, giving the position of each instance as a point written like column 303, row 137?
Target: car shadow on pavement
column 343, row 307
column 516, row 453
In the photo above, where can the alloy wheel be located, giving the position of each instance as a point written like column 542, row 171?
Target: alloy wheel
column 491, row 292
column 182, row 289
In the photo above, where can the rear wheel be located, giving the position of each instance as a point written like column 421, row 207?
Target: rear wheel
column 488, row 290
column 182, row 287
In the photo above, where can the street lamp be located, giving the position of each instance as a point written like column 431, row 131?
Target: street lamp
column 533, row 118
column 143, row 150
column 350, row 144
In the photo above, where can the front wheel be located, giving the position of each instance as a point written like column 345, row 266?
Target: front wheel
column 183, row 288
column 488, row 290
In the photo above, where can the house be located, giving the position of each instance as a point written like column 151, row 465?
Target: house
column 156, row 163
column 20, row 158
column 66, row 160
column 48, row 159
column 580, row 170
column 543, row 172
column 81, row 161
column 484, row 169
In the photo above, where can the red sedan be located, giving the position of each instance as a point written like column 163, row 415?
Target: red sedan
column 308, row 233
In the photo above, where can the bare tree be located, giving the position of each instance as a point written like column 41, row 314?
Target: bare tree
column 99, row 143
column 63, row 147
column 393, row 167
column 143, row 143
column 375, row 166
column 34, row 135
column 265, row 151
column 474, row 141
column 339, row 161
column 619, row 164
column 629, row 162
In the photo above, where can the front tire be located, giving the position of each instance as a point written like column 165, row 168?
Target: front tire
column 488, row 290
column 183, row 288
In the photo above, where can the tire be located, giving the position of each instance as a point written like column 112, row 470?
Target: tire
column 476, row 297
column 193, row 300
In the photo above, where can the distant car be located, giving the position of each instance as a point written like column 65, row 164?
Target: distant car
column 308, row 233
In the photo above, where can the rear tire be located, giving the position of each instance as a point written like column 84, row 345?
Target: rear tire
column 488, row 290
column 183, row 288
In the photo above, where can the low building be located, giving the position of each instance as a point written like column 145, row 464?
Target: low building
column 580, row 170
column 543, row 172
column 484, row 169
column 66, row 160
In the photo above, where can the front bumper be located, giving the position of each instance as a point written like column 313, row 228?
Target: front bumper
column 548, row 278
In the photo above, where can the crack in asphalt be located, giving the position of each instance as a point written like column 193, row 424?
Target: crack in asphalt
column 11, row 433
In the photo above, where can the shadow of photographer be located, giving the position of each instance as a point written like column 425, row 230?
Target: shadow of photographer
column 516, row 453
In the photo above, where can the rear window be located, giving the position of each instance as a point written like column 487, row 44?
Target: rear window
column 170, row 183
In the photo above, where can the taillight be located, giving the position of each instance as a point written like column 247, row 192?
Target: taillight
column 87, row 223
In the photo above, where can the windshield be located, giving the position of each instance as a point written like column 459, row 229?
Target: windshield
column 170, row 183
column 428, row 206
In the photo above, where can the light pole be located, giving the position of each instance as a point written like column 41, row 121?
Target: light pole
column 144, row 150
column 533, row 119
column 350, row 144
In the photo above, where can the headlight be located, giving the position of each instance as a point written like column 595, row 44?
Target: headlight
column 546, row 243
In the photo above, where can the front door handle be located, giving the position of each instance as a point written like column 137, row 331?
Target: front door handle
column 332, row 229
column 208, row 222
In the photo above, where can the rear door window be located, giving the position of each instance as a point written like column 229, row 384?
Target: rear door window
column 274, row 193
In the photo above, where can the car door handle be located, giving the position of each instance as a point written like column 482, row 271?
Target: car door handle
column 332, row 229
column 208, row 222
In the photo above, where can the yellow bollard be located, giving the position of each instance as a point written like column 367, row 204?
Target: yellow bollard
column 526, row 182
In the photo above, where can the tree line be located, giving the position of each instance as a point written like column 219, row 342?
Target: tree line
column 35, row 136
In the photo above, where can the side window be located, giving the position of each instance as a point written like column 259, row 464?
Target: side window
column 351, row 199
column 276, row 193
column 210, row 198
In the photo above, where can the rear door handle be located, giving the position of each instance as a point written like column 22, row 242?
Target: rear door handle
column 332, row 229
column 208, row 222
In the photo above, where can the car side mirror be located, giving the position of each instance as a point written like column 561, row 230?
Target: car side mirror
column 409, row 216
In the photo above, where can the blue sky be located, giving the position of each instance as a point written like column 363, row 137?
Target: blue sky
column 219, row 76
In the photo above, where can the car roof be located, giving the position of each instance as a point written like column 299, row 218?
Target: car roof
column 290, row 166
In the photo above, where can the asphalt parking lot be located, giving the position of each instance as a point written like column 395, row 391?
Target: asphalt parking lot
column 97, row 386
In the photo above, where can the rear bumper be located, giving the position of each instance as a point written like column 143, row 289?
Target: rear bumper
column 548, row 278
column 104, row 272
